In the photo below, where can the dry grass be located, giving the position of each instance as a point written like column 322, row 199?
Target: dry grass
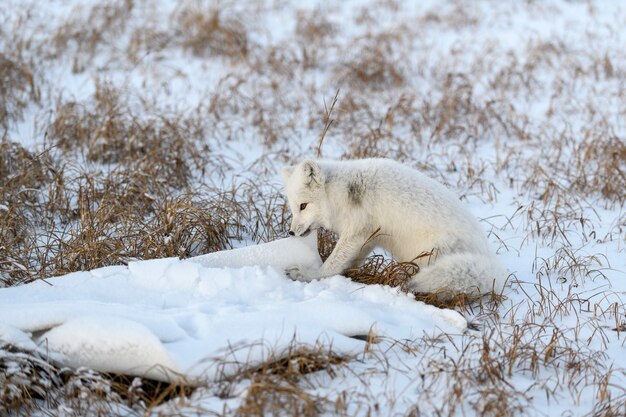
column 17, row 88
column 600, row 163
column 30, row 382
column 275, row 385
column 57, row 219
column 373, row 63
column 315, row 27
column 379, row 270
column 23, row 175
column 109, row 132
column 93, row 222
column 84, row 33
column 210, row 32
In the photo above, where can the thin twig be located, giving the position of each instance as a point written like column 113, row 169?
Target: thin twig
column 327, row 122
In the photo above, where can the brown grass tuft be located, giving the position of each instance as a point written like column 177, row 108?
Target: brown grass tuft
column 23, row 176
column 455, row 114
column 372, row 64
column 109, row 132
column 459, row 16
column 601, row 166
column 145, row 41
column 326, row 241
column 83, row 34
column 22, row 171
column 212, row 32
column 17, row 88
column 378, row 270
column 271, row 396
column 276, row 386
column 314, row 27
column 110, row 233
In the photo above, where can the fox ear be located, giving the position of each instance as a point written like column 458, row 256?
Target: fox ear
column 312, row 173
column 287, row 172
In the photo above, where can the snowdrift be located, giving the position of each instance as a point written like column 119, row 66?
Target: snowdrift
column 168, row 318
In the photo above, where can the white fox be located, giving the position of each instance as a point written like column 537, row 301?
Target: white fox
column 381, row 203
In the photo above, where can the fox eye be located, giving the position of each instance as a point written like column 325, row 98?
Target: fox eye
column 303, row 206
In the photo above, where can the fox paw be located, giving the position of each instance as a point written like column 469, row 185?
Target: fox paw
column 297, row 274
column 413, row 286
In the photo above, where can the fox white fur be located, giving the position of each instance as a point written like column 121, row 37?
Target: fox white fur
column 381, row 203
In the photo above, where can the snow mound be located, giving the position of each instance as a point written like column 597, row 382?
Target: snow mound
column 281, row 253
column 88, row 341
column 168, row 318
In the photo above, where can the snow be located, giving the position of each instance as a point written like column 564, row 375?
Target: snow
column 109, row 343
column 169, row 319
column 281, row 253
column 16, row 337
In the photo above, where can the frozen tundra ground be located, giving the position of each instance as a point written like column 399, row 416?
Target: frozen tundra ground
column 138, row 132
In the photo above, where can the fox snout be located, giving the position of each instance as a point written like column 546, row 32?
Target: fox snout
column 299, row 231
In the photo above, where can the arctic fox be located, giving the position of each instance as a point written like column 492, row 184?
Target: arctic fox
column 381, row 203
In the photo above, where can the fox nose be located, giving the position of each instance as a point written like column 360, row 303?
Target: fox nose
column 291, row 233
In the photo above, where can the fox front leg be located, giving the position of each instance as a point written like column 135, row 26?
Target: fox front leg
column 342, row 257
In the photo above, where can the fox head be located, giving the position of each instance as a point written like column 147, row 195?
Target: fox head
column 304, row 187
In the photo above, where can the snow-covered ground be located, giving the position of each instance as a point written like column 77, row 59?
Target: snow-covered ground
column 520, row 106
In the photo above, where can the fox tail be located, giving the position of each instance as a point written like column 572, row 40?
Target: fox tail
column 473, row 274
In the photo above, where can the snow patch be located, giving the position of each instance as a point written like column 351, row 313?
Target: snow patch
column 281, row 253
column 110, row 344
column 165, row 318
